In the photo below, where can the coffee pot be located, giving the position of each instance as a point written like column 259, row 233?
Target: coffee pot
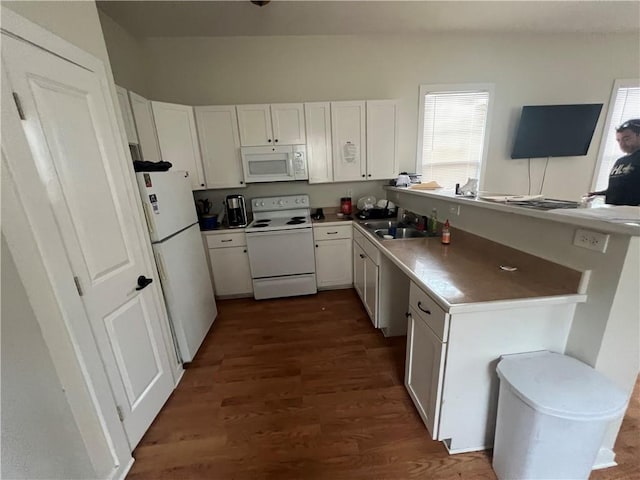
column 236, row 211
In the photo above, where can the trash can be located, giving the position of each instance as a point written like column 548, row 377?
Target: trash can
column 553, row 411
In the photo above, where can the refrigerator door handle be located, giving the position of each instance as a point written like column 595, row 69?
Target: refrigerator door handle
column 160, row 266
column 147, row 217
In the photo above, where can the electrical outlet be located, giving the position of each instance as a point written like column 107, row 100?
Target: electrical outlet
column 454, row 209
column 591, row 240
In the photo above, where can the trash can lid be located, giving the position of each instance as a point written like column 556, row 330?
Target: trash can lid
column 561, row 386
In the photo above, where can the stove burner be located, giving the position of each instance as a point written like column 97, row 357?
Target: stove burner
column 264, row 220
column 295, row 222
column 260, row 225
column 298, row 218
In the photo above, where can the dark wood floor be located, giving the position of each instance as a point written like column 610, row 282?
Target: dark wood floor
column 306, row 388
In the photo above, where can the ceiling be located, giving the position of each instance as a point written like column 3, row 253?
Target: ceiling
column 306, row 17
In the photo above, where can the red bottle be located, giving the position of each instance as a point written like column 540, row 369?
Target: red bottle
column 446, row 233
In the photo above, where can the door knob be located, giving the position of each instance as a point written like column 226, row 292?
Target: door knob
column 143, row 282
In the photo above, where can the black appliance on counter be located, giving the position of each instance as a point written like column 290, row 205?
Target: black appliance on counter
column 375, row 213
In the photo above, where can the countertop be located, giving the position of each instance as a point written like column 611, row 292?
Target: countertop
column 605, row 218
column 467, row 272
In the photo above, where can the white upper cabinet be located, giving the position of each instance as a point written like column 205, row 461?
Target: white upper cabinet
column 277, row 124
column 146, row 128
column 382, row 139
column 319, row 156
column 220, row 146
column 178, row 139
column 288, row 123
column 349, row 147
column 127, row 115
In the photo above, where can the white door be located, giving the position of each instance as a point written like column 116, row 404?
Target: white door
column 146, row 127
column 333, row 262
column 254, row 123
column 178, row 139
column 317, row 117
column 187, row 288
column 358, row 269
column 288, row 123
column 231, row 272
column 168, row 202
column 72, row 130
column 382, row 118
column 424, row 370
column 371, row 290
column 127, row 114
column 220, row 146
column 348, row 135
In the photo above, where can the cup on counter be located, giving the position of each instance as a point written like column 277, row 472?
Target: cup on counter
column 393, row 231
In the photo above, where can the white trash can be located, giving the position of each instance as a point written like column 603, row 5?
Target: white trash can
column 553, row 411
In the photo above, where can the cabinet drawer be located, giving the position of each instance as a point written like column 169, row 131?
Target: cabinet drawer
column 332, row 233
column 358, row 237
column 371, row 250
column 429, row 311
column 231, row 239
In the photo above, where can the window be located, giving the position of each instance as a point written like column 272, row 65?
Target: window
column 624, row 105
column 453, row 132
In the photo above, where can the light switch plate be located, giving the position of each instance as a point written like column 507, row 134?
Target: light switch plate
column 591, row 240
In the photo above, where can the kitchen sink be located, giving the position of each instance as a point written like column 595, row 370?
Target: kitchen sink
column 402, row 233
column 376, row 224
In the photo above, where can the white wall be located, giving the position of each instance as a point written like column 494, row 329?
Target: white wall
column 127, row 56
column 40, row 438
column 526, row 69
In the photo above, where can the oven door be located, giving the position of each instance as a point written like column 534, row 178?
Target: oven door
column 268, row 164
column 281, row 252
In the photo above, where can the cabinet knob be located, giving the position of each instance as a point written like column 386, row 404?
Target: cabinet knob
column 241, row 182
column 316, row 245
column 363, row 175
column 363, row 256
column 408, row 314
column 369, row 175
column 245, row 250
column 276, row 140
column 202, row 184
column 269, row 140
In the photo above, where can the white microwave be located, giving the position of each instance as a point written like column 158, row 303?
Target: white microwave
column 274, row 164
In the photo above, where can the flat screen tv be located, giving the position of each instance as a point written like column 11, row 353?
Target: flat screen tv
column 555, row 130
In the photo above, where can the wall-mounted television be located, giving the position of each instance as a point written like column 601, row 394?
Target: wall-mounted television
column 555, row 130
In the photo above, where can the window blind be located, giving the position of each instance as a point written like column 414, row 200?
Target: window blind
column 626, row 107
column 453, row 136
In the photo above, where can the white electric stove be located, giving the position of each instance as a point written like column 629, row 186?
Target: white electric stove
column 280, row 246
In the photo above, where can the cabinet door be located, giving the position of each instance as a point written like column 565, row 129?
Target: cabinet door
column 231, row 273
column 424, row 371
column 382, row 143
column 317, row 117
column 348, row 135
column 178, row 139
column 288, row 123
column 358, row 269
column 333, row 263
column 371, row 290
column 127, row 114
column 220, row 146
column 146, row 128
column 254, row 123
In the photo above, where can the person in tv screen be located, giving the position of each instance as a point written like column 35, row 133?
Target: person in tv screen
column 624, row 178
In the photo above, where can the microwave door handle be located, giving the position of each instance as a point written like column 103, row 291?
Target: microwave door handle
column 292, row 172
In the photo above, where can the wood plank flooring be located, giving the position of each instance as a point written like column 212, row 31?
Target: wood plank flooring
column 306, row 388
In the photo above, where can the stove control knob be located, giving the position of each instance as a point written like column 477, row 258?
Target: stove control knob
column 297, row 200
column 262, row 204
column 281, row 202
column 304, row 200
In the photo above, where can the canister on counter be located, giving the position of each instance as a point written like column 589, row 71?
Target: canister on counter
column 345, row 205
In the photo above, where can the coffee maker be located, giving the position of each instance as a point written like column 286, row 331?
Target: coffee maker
column 236, row 211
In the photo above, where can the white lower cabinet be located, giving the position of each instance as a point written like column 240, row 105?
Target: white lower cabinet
column 450, row 368
column 365, row 273
column 424, row 370
column 229, row 263
column 333, row 255
column 358, row 269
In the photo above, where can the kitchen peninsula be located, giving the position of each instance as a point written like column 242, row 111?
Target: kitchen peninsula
column 604, row 330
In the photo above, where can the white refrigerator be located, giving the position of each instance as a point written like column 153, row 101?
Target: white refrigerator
column 179, row 252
